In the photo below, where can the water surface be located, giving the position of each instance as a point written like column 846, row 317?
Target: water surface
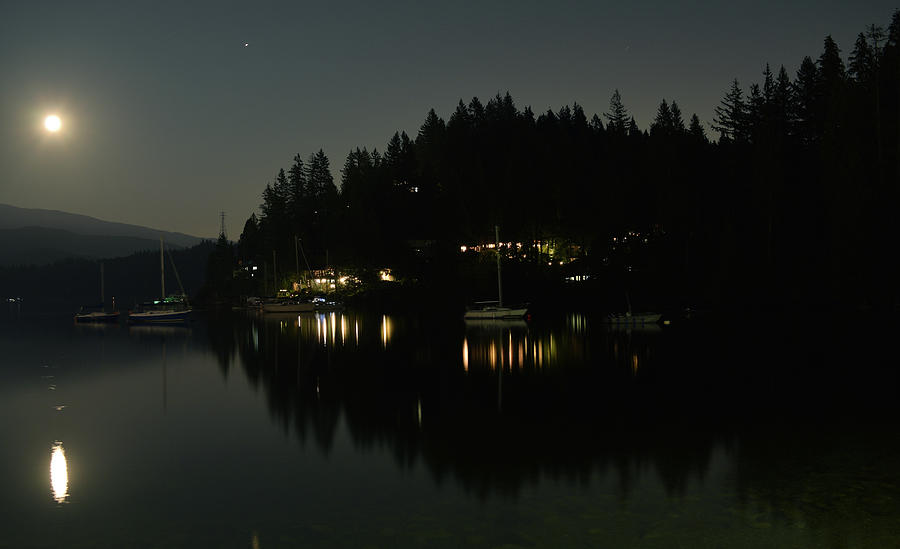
column 369, row 430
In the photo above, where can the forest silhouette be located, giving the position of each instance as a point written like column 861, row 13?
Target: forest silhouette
column 791, row 202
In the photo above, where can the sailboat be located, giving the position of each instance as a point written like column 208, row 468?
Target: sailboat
column 97, row 313
column 494, row 310
column 631, row 319
column 167, row 310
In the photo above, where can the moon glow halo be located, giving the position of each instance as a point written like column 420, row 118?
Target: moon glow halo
column 52, row 123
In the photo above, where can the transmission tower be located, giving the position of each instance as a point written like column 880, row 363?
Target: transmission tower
column 222, row 227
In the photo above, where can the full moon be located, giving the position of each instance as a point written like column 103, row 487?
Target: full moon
column 52, row 123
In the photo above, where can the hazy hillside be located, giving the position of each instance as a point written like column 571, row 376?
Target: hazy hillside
column 12, row 217
column 39, row 246
column 39, row 237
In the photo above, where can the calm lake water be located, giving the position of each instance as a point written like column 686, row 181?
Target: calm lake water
column 370, row 430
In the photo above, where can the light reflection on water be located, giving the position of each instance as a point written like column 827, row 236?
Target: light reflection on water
column 515, row 345
column 334, row 329
column 59, row 473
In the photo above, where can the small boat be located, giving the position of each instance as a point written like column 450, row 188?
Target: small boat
column 95, row 313
column 168, row 310
column 630, row 318
column 172, row 310
column 494, row 310
column 98, row 313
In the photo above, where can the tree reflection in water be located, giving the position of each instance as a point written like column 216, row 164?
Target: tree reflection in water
column 499, row 406
column 527, row 401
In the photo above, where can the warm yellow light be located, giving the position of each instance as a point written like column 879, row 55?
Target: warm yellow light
column 465, row 354
column 387, row 329
column 52, row 123
column 59, row 474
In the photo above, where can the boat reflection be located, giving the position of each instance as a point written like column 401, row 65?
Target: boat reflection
column 493, row 344
column 59, row 473
column 151, row 330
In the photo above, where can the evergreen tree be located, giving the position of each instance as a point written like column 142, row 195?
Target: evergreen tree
column 220, row 269
column 893, row 34
column 275, row 200
column 677, row 120
column 250, row 244
column 831, row 66
column 662, row 123
column 392, row 152
column 321, row 181
column 430, row 149
column 476, row 112
column 783, row 105
column 617, row 116
column 633, row 130
column 862, row 62
column 579, row 119
column 805, row 92
column 731, row 115
column 696, row 131
column 756, row 114
column 298, row 191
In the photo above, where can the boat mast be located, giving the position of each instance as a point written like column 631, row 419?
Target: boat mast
column 296, row 261
column 178, row 278
column 305, row 261
column 102, row 293
column 162, row 270
column 499, row 277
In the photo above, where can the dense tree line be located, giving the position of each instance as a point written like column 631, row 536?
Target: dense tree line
column 792, row 199
column 70, row 283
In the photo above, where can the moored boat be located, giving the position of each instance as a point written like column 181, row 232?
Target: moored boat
column 632, row 319
column 98, row 313
column 168, row 310
column 629, row 318
column 494, row 310
column 172, row 310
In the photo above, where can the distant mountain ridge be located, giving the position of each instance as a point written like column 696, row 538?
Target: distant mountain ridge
column 37, row 237
column 12, row 217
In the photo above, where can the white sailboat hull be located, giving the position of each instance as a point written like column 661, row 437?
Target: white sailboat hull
column 97, row 317
column 637, row 319
column 160, row 317
column 495, row 313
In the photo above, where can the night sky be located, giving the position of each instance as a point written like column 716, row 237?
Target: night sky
column 168, row 118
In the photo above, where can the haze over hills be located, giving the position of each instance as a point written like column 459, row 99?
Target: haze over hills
column 37, row 237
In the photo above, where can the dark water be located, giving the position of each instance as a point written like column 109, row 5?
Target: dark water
column 366, row 430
